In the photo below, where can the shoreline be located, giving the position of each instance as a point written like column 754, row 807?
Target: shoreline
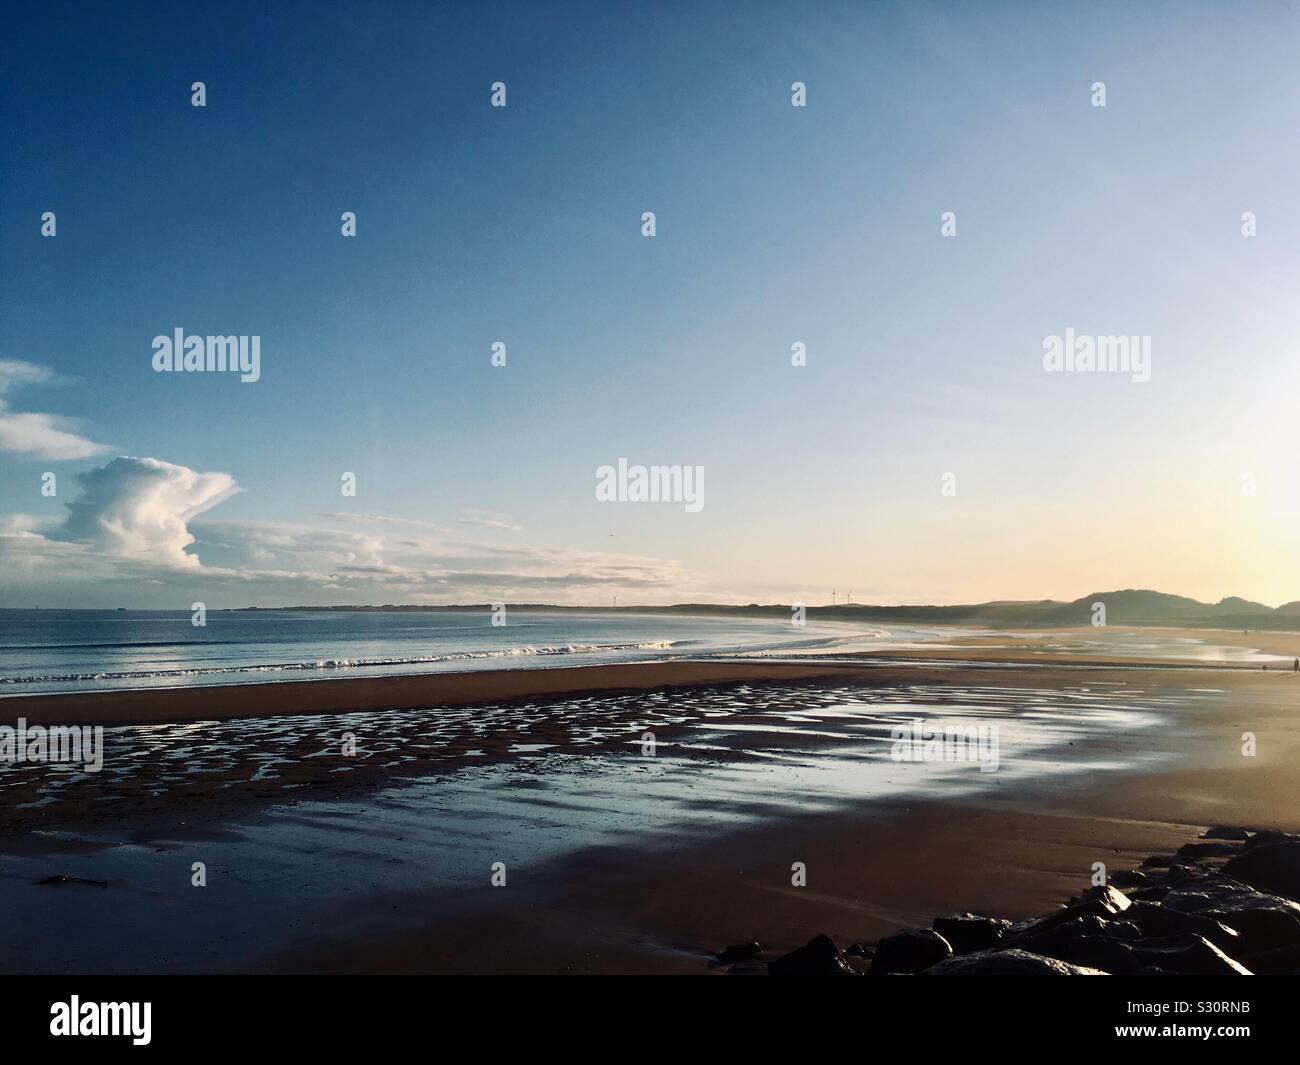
column 337, row 695
column 340, row 695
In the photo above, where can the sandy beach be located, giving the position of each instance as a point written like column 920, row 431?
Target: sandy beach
column 619, row 861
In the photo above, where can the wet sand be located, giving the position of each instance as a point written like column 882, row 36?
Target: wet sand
column 379, row 862
column 347, row 694
column 874, row 866
column 1201, row 645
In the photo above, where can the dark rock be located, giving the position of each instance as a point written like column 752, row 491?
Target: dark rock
column 968, row 933
column 1262, row 928
column 1160, row 921
column 1081, row 941
column 1225, row 832
column 1007, row 963
column 1157, row 861
column 1154, row 893
column 1263, row 921
column 1098, row 952
column 752, row 967
column 1262, row 839
column 1277, row 962
column 1208, row 850
column 818, row 957
column 1187, row 955
column 1126, row 878
column 63, row 878
column 1103, row 901
column 1184, row 870
column 739, row 952
column 1047, row 933
column 1271, row 867
column 910, row 951
column 859, row 950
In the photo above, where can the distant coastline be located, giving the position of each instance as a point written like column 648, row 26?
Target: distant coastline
column 1125, row 607
column 1132, row 607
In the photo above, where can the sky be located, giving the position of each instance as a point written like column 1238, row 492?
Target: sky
column 922, row 454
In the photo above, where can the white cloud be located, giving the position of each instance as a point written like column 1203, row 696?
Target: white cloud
column 44, row 436
column 489, row 520
column 137, row 508
column 137, row 533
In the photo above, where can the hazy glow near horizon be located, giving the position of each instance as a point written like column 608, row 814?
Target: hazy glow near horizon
column 776, row 225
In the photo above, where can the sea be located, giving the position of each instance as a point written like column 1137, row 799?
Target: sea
column 92, row 650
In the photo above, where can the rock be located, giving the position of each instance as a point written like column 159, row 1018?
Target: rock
column 1007, row 963
column 1277, row 962
column 1048, row 933
column 910, row 951
column 1112, row 956
column 1184, row 870
column 1225, row 832
column 1128, row 878
column 1154, row 893
column 1262, row 928
column 63, row 878
column 1271, row 867
column 1261, row 839
column 753, row 967
column 1081, row 941
column 1263, row 921
column 1157, row 861
column 739, row 952
column 1187, row 955
column 818, row 957
column 1104, row 901
column 1207, row 850
column 1159, row 921
column 859, row 950
column 967, row 932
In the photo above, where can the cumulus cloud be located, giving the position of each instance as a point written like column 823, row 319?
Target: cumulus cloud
column 139, row 535
column 138, row 508
column 44, row 436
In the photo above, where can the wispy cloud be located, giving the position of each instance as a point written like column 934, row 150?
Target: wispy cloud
column 488, row 520
column 44, row 436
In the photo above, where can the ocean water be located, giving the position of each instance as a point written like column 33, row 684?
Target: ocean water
column 87, row 650
column 82, row 650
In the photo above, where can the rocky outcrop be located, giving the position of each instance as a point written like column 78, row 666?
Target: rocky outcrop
column 967, row 932
column 1272, row 867
column 910, row 951
column 1008, row 963
column 818, row 957
column 1226, row 907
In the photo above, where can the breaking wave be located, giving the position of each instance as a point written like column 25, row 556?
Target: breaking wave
column 347, row 663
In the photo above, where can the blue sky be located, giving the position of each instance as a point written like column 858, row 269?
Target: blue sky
column 775, row 224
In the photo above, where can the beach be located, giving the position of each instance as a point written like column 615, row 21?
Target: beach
column 617, row 856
